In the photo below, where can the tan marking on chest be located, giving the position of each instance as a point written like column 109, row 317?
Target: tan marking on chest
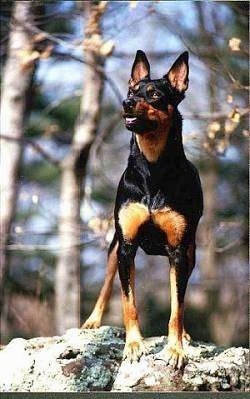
column 131, row 217
column 152, row 145
column 172, row 223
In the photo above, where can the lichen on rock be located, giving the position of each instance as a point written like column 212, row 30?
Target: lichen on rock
column 91, row 360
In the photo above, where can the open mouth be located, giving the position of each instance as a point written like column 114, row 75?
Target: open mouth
column 130, row 120
column 138, row 124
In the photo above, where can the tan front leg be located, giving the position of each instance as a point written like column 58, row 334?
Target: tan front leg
column 134, row 346
column 174, row 349
column 131, row 217
column 94, row 320
column 173, row 353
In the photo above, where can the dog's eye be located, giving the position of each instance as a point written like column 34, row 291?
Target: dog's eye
column 151, row 92
column 155, row 95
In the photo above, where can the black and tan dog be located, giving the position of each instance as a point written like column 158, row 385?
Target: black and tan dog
column 158, row 204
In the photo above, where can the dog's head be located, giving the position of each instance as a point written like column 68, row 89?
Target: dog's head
column 150, row 102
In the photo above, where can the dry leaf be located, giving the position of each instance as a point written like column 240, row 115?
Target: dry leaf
column 102, row 6
column 245, row 133
column 27, row 58
column 46, row 53
column 212, row 129
column 234, row 44
column 235, row 116
column 230, row 126
column 211, row 134
column 221, row 146
column 107, row 48
column 39, row 37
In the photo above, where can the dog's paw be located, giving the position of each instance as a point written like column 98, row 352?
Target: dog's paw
column 134, row 350
column 91, row 322
column 173, row 356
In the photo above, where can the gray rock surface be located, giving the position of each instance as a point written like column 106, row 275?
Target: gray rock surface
column 91, row 360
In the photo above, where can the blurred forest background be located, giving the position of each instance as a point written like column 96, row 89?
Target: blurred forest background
column 64, row 72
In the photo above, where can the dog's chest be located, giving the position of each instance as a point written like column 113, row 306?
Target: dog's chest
column 136, row 217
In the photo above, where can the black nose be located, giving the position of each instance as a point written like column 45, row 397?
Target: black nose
column 128, row 104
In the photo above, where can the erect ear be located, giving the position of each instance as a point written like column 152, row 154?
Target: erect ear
column 178, row 73
column 140, row 68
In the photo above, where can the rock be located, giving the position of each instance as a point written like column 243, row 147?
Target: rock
column 91, row 360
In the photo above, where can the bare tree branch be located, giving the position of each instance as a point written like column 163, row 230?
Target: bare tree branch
column 214, row 115
column 98, row 69
column 229, row 246
column 37, row 147
column 113, row 122
column 207, row 52
column 70, row 46
column 46, row 247
column 56, row 103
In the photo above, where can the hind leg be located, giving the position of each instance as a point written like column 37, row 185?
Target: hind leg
column 95, row 318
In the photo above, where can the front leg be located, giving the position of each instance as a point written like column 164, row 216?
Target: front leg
column 134, row 346
column 174, row 350
column 129, row 219
column 173, row 353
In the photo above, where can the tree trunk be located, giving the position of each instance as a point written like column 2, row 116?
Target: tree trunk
column 208, row 263
column 16, row 81
column 209, row 266
column 67, row 285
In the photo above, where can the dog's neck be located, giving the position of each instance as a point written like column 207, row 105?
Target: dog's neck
column 152, row 144
column 162, row 146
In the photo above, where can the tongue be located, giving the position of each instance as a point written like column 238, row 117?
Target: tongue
column 130, row 120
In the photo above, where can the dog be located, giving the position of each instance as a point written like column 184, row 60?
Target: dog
column 158, row 205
